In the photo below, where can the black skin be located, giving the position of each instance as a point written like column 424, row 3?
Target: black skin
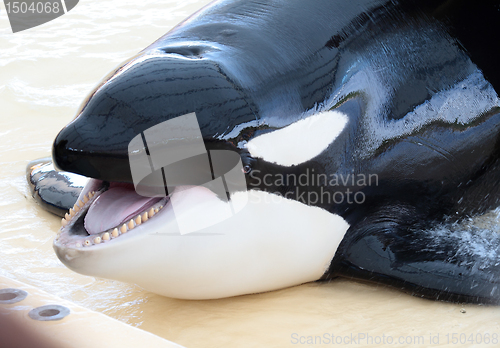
column 56, row 191
column 261, row 64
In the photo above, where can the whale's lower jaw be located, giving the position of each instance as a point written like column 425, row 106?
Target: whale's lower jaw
column 90, row 222
column 289, row 244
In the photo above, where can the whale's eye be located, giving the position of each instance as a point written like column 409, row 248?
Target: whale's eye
column 247, row 169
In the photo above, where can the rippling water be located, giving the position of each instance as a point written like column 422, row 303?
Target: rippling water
column 45, row 73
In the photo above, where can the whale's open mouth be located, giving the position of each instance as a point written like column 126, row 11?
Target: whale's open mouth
column 105, row 211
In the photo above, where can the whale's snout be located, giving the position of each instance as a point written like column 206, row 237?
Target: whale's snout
column 149, row 89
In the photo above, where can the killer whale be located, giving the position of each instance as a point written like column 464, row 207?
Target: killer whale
column 409, row 94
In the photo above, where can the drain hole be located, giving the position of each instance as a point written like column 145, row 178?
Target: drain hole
column 8, row 296
column 49, row 312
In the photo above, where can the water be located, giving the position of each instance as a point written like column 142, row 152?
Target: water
column 45, row 73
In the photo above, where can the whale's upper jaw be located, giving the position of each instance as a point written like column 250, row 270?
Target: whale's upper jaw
column 151, row 88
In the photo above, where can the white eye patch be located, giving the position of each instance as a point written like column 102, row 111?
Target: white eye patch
column 301, row 141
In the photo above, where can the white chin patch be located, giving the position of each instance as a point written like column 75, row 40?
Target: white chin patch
column 272, row 243
column 301, row 141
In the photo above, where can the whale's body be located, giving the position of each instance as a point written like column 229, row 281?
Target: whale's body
column 389, row 109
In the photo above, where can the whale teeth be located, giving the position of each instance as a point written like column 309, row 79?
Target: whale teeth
column 131, row 224
column 110, row 234
column 77, row 207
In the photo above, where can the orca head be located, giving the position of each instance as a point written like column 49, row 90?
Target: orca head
column 368, row 115
column 272, row 241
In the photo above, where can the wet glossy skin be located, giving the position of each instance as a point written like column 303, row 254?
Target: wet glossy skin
column 206, row 66
column 248, row 68
column 55, row 191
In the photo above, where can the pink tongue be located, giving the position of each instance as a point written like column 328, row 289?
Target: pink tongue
column 115, row 206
